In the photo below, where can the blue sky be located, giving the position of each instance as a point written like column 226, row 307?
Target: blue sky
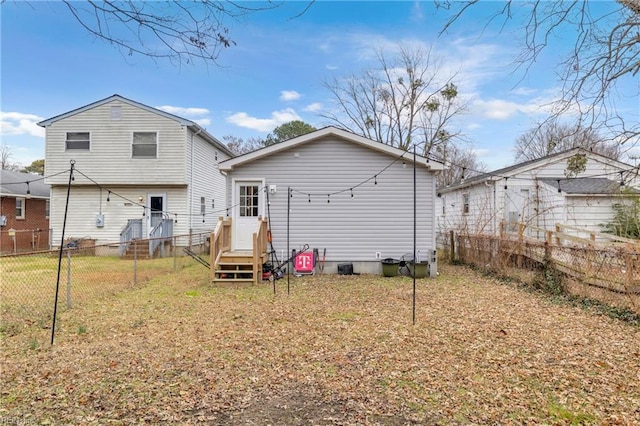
column 50, row 65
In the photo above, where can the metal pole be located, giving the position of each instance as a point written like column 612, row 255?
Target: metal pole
column 68, row 279
column 288, row 222
column 414, row 234
column 174, row 253
column 64, row 227
column 135, row 261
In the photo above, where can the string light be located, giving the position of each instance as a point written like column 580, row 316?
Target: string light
column 375, row 180
column 328, row 200
column 176, row 218
column 621, row 179
column 28, row 189
column 309, row 197
column 202, row 218
column 351, row 192
column 505, row 182
column 559, row 190
column 108, row 196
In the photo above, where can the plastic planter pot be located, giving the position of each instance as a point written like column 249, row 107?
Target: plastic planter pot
column 390, row 267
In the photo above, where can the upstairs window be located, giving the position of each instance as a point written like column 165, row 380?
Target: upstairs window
column 202, row 206
column 20, row 208
column 145, row 145
column 78, row 140
column 465, row 203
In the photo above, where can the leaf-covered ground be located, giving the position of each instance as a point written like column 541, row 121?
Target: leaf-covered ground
column 336, row 350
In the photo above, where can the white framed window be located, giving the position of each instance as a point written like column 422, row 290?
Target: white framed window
column 249, row 198
column 20, row 208
column 145, row 145
column 465, row 203
column 47, row 208
column 78, row 140
column 116, row 113
column 202, row 206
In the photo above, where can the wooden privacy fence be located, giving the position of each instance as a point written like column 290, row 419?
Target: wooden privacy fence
column 608, row 272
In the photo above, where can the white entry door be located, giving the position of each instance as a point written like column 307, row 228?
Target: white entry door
column 248, row 204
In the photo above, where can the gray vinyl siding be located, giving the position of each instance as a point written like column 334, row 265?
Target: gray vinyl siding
column 109, row 160
column 378, row 218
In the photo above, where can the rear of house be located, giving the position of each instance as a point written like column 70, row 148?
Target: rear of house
column 24, row 212
column 539, row 193
column 137, row 168
column 334, row 190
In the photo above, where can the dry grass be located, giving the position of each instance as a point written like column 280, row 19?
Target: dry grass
column 337, row 350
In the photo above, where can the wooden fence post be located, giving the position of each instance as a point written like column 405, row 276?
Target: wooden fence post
column 453, row 246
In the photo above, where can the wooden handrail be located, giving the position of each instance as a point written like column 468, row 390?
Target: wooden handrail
column 220, row 242
column 259, row 247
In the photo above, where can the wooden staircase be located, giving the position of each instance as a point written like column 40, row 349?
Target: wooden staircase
column 230, row 267
column 138, row 249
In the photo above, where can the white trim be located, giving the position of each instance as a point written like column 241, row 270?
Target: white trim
column 147, row 203
column 66, row 133
column 230, row 164
column 23, row 208
column 157, row 144
column 234, row 207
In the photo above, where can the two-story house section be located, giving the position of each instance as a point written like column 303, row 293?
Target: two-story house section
column 134, row 165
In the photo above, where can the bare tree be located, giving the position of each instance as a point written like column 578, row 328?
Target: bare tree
column 6, row 157
column 181, row 31
column 241, row 146
column 403, row 100
column 551, row 136
column 461, row 163
column 606, row 52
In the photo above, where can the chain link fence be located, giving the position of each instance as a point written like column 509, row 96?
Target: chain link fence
column 607, row 273
column 88, row 273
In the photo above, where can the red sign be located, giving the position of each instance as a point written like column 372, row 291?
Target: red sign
column 304, row 262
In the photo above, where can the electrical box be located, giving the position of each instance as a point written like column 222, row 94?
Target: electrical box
column 99, row 220
column 3, row 221
column 272, row 189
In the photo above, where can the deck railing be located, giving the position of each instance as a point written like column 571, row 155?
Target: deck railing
column 161, row 233
column 132, row 231
column 260, row 241
column 220, row 241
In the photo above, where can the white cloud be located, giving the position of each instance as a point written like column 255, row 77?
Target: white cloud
column 242, row 119
column 204, row 122
column 500, row 109
column 184, row 112
column 17, row 123
column 416, row 12
column 331, row 67
column 314, row 107
column 289, row 95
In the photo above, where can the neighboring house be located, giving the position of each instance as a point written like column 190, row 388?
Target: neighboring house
column 137, row 169
column 539, row 193
column 350, row 195
column 24, row 212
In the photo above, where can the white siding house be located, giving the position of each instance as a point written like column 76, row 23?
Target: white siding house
column 132, row 161
column 540, row 193
column 349, row 195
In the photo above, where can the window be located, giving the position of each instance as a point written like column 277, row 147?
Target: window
column 248, row 201
column 202, row 206
column 78, row 140
column 465, row 203
column 47, row 208
column 20, row 207
column 145, row 145
column 116, row 113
